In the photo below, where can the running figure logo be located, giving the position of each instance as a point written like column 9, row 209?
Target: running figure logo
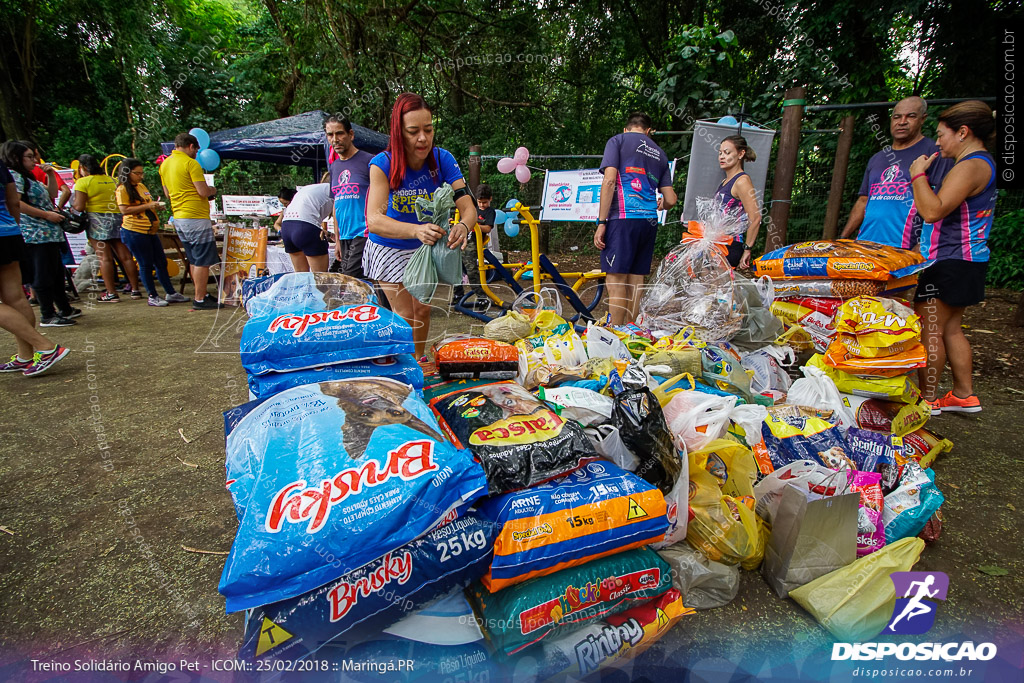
column 345, row 175
column 914, row 612
column 889, row 174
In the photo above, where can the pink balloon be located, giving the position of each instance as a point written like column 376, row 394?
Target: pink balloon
column 522, row 155
column 506, row 165
column 522, row 174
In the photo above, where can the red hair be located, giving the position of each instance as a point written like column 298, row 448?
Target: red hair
column 405, row 103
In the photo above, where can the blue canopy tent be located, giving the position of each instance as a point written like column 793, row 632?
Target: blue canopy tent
column 294, row 140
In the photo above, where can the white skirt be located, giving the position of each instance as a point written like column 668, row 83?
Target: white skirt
column 385, row 264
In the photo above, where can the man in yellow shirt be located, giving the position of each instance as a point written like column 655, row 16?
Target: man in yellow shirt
column 186, row 188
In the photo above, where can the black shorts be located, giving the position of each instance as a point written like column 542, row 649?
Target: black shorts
column 954, row 282
column 12, row 249
column 734, row 254
column 302, row 236
column 629, row 246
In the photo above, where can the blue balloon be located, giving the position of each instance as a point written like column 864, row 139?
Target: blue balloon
column 511, row 228
column 208, row 159
column 728, row 121
column 510, row 203
column 499, row 217
column 202, row 136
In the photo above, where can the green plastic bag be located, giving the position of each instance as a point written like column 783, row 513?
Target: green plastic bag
column 435, row 263
column 855, row 603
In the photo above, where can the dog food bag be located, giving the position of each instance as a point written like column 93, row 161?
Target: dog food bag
column 839, row 356
column 354, row 468
column 887, row 416
column 528, row 612
column 839, row 260
column 923, row 446
column 591, row 512
column 805, row 438
column 909, row 507
column 476, row 358
column 870, row 530
column 618, row 638
column 878, row 322
column 809, row 312
column 318, row 319
column 899, row 388
column 518, row 440
column 376, row 595
column 403, row 368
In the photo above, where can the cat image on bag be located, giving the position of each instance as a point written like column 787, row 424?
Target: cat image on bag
column 372, row 403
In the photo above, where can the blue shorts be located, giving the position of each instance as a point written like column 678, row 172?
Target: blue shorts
column 302, row 236
column 629, row 246
column 201, row 254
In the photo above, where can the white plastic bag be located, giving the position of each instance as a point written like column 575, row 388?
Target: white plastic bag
column 583, row 405
column 750, row 418
column 696, row 419
column 817, row 390
column 768, row 363
column 603, row 343
column 799, row 473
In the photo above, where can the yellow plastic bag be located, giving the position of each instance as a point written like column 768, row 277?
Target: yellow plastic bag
column 890, row 388
column 731, row 463
column 722, row 527
column 855, row 603
column 878, row 322
column 672, row 386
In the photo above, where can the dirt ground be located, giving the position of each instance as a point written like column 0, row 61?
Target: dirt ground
column 113, row 463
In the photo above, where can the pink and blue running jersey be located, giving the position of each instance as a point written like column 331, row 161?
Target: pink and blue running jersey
column 963, row 234
column 643, row 167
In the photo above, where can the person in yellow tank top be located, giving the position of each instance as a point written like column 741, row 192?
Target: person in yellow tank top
column 139, row 231
column 94, row 194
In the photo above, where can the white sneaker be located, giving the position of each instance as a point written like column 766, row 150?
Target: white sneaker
column 176, row 298
column 156, row 301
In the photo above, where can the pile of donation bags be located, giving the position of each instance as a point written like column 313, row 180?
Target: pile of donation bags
column 571, row 494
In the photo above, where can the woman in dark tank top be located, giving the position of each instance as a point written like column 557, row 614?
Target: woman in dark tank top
column 737, row 196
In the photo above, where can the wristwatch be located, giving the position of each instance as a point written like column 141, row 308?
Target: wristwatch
column 602, row 221
column 747, row 247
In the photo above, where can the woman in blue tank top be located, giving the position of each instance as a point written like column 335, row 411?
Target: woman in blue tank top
column 737, row 196
column 957, row 223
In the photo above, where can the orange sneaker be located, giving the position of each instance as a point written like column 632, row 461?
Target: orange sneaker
column 952, row 404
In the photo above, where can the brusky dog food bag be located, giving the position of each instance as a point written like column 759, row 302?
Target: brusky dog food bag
column 352, row 468
column 594, row 511
column 403, row 368
column 376, row 595
column 526, row 613
column 518, row 439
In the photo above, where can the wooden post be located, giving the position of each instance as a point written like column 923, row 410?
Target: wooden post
column 474, row 167
column 785, row 167
column 835, row 193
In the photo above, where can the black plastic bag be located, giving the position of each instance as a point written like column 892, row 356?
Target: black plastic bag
column 642, row 428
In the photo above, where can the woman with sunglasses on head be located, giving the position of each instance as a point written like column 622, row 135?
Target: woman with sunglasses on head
column 138, row 231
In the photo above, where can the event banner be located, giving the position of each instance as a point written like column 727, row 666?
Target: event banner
column 576, row 195
column 250, row 205
column 243, row 249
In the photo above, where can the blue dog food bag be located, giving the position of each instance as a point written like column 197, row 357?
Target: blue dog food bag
column 352, row 468
column 374, row 596
column 403, row 368
column 307, row 320
column 591, row 512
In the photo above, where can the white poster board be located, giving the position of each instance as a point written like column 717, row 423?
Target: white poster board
column 576, row 195
column 250, row 205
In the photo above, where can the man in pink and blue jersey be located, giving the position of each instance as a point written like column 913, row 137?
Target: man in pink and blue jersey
column 635, row 169
column 885, row 211
column 350, row 182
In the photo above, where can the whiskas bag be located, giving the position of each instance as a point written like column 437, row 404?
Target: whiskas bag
column 526, row 613
column 518, row 440
column 306, row 320
column 374, row 596
column 353, row 468
column 591, row 512
column 870, row 529
column 912, row 504
column 402, row 368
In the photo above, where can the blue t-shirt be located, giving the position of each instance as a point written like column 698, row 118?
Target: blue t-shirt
column 402, row 202
column 8, row 226
column 350, row 183
column 643, row 168
column 890, row 216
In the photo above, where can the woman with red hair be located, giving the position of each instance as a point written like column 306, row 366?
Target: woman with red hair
column 410, row 168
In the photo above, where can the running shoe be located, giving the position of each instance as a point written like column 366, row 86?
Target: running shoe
column 72, row 314
column 108, row 298
column 954, row 404
column 176, row 298
column 56, row 321
column 16, row 364
column 135, row 294
column 934, row 406
column 207, row 304
column 44, row 360
column 156, row 301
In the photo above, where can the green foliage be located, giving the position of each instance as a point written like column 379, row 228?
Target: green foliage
column 1006, row 265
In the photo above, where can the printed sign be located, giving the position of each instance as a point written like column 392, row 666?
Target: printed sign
column 576, row 195
column 243, row 249
column 251, row 205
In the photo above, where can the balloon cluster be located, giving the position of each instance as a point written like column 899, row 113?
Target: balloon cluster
column 207, row 158
column 517, row 164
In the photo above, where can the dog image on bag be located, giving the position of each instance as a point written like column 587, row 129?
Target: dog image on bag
column 369, row 404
